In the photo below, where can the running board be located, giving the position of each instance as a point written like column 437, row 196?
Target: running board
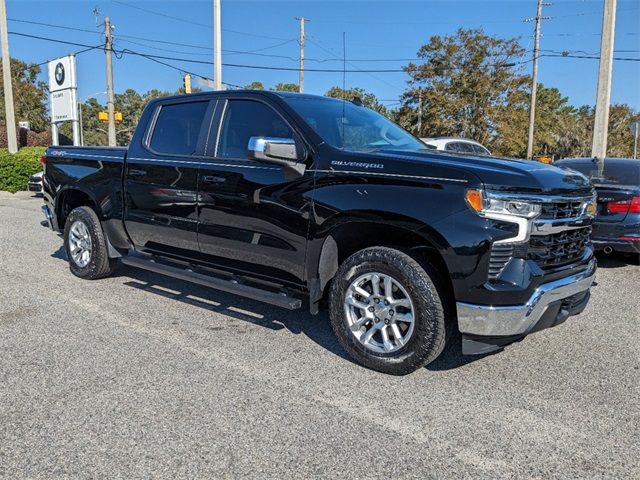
column 230, row 286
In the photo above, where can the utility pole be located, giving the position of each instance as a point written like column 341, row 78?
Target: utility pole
column 603, row 97
column 108, row 48
column 534, row 79
column 419, row 112
column 301, row 42
column 10, row 117
column 217, row 46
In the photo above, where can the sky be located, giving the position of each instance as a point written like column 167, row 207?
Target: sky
column 379, row 35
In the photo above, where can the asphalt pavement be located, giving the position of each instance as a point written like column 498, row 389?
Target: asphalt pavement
column 143, row 376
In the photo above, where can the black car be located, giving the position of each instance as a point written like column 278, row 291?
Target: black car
column 617, row 223
column 284, row 198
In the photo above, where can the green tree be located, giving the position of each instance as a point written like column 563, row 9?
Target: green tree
column 254, row 86
column 285, row 87
column 369, row 100
column 29, row 95
column 554, row 121
column 462, row 83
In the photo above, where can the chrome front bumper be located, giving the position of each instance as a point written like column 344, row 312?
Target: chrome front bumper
column 496, row 321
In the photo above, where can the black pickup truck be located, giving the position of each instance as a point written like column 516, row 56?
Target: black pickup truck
column 289, row 197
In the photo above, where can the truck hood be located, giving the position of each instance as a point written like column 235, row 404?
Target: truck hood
column 504, row 174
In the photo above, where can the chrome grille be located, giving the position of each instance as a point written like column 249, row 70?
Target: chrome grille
column 558, row 249
column 561, row 209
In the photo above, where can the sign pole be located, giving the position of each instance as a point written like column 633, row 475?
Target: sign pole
column 636, row 128
column 55, row 139
column 75, row 124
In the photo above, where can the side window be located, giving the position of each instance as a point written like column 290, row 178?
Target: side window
column 244, row 119
column 177, row 128
column 464, row 147
column 480, row 150
column 451, row 147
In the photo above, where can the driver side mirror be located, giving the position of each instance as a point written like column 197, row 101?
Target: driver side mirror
column 280, row 151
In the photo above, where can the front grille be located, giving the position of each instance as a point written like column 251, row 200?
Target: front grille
column 558, row 249
column 561, row 209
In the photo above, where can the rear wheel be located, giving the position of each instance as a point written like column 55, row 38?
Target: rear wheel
column 86, row 246
column 386, row 311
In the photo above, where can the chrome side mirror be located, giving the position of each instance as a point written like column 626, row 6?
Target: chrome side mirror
column 280, row 151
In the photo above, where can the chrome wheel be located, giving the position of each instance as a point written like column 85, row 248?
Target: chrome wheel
column 80, row 244
column 379, row 312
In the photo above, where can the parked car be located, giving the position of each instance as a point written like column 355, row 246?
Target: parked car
column 281, row 197
column 617, row 223
column 457, row 145
column 35, row 184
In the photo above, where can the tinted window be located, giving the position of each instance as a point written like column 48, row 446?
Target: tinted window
column 344, row 125
column 177, row 128
column 480, row 150
column 451, row 147
column 622, row 172
column 464, row 147
column 244, row 119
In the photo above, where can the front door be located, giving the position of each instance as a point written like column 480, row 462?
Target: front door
column 254, row 216
column 161, row 179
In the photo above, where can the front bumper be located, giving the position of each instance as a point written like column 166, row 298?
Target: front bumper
column 518, row 320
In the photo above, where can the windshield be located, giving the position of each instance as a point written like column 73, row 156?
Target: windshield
column 349, row 127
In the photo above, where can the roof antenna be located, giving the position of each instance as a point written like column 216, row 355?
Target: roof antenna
column 344, row 81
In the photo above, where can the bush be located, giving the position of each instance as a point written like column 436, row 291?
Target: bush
column 16, row 169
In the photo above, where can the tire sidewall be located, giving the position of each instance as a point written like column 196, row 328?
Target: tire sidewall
column 90, row 220
column 425, row 343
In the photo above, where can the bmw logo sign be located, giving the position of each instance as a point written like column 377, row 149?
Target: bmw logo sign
column 59, row 74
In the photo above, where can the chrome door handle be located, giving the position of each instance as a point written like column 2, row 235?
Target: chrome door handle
column 213, row 179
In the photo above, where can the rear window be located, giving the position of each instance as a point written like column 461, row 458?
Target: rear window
column 177, row 128
column 622, row 172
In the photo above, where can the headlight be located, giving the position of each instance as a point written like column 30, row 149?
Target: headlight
column 590, row 207
column 487, row 203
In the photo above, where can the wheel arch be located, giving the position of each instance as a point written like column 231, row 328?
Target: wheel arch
column 72, row 197
column 348, row 234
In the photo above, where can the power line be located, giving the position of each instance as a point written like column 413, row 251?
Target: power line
column 309, row 59
column 191, row 22
column 266, row 67
column 31, row 65
column 42, row 24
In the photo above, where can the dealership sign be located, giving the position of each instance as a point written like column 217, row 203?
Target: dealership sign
column 63, row 88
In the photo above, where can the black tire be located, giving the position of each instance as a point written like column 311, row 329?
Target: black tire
column 99, row 265
column 430, row 330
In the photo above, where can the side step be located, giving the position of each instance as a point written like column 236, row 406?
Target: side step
column 266, row 296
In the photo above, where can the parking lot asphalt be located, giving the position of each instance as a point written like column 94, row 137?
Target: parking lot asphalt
column 142, row 376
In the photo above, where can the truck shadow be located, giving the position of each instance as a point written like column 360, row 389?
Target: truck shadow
column 316, row 328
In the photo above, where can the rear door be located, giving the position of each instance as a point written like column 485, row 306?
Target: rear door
column 254, row 216
column 161, row 178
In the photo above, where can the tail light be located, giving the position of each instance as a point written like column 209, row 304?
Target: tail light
column 625, row 206
column 43, row 160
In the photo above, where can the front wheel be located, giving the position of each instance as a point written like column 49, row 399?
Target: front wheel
column 386, row 311
column 86, row 246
